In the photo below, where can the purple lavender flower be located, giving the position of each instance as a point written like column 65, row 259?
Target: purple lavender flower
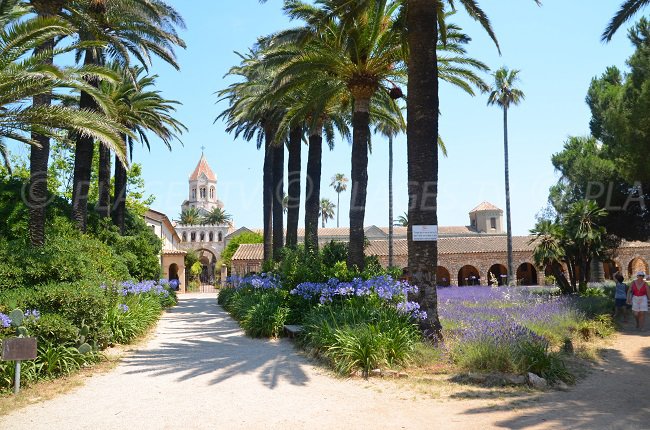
column 124, row 308
column 33, row 313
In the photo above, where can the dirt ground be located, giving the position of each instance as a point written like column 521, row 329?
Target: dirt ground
column 199, row 371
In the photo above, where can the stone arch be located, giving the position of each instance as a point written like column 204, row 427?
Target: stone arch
column 184, row 237
column 610, row 267
column 173, row 271
column 468, row 275
column 193, row 236
column 219, row 237
column 526, row 274
column 208, row 262
column 210, row 237
column 202, row 236
column 211, row 193
column 443, row 277
column 637, row 264
column 500, row 272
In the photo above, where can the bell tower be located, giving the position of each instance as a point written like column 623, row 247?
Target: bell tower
column 202, row 191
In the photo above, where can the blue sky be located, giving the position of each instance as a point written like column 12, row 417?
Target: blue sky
column 557, row 48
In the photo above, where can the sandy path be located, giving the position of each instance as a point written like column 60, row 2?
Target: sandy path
column 200, row 372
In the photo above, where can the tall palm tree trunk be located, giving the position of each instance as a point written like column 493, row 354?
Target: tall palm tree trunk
column 390, row 200
column 278, row 195
column 38, row 162
column 338, row 208
column 511, row 274
column 267, row 195
column 422, row 136
column 359, row 176
column 83, row 156
column 104, row 182
column 312, row 196
column 293, row 202
column 119, row 194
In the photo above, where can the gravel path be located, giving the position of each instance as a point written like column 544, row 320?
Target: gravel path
column 200, row 372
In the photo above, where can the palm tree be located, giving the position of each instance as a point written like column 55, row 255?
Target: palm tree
column 340, row 184
column 23, row 77
column 326, row 211
column 504, row 94
column 250, row 115
column 138, row 28
column 141, row 110
column 549, row 239
column 217, row 216
column 190, row 216
column 403, row 220
column 358, row 51
column 628, row 9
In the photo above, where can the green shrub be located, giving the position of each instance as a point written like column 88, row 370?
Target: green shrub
column 266, row 318
column 359, row 334
column 126, row 321
column 54, row 329
column 225, row 294
column 535, row 357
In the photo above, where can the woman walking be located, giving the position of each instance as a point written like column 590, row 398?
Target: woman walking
column 638, row 296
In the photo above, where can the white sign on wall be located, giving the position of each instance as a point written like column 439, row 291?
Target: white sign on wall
column 425, row 233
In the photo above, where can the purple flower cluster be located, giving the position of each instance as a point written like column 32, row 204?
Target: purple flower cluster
column 143, row 287
column 412, row 309
column 385, row 287
column 5, row 321
column 264, row 281
column 124, row 308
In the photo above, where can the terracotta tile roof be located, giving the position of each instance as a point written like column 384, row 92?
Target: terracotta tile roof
column 457, row 245
column 249, row 251
column 442, row 230
column 173, row 252
column 485, row 206
column 204, row 168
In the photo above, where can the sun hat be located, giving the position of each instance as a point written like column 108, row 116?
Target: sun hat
column 641, row 273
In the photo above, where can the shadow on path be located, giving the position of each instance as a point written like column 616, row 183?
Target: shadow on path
column 198, row 338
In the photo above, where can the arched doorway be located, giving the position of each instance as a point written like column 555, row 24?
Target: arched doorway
column 526, row 274
column 610, row 267
column 637, row 264
column 498, row 272
column 468, row 275
column 208, row 262
column 173, row 275
column 442, row 276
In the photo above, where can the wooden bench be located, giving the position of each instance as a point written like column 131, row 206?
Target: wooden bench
column 292, row 330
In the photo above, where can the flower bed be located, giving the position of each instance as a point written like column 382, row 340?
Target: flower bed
column 74, row 322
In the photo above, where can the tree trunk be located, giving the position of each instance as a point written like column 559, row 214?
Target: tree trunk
column 507, row 180
column 119, row 195
column 267, row 197
column 104, row 182
column 359, row 176
column 338, row 207
column 563, row 283
column 83, row 155
column 293, row 202
column 422, row 148
column 278, row 195
column 38, row 162
column 312, row 193
column 390, row 200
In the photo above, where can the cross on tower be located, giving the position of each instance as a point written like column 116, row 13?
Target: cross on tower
column 202, row 148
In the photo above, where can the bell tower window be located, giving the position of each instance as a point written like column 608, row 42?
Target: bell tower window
column 202, row 192
column 193, row 193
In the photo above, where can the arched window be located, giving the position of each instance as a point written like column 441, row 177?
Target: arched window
column 202, row 237
column 220, row 237
column 211, row 237
column 184, row 237
column 202, row 192
column 193, row 193
column 211, row 192
column 192, row 237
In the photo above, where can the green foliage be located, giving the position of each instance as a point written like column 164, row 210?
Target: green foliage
column 266, row 318
column 359, row 335
column 195, row 270
column 535, row 357
column 54, row 329
column 334, row 251
column 233, row 245
column 129, row 320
